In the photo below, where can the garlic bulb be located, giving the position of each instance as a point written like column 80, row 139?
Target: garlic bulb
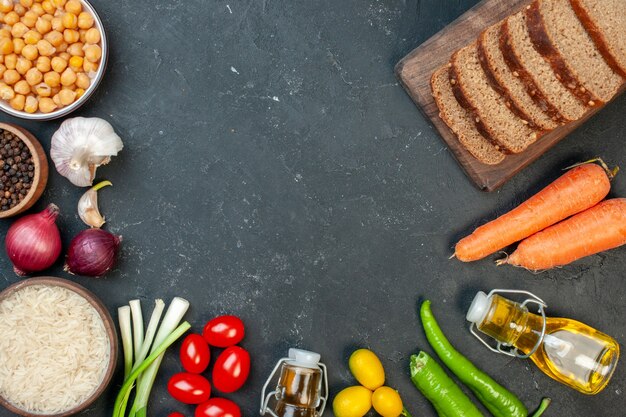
column 81, row 145
column 88, row 206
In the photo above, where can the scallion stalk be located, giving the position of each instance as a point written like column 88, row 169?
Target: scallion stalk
column 127, row 338
column 122, row 398
column 173, row 316
column 159, row 306
column 135, row 308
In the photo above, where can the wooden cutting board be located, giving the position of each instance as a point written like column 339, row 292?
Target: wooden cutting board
column 414, row 72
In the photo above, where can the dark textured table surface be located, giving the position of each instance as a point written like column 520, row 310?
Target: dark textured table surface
column 273, row 168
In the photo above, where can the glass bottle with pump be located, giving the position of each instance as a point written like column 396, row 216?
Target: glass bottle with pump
column 568, row 351
column 298, row 392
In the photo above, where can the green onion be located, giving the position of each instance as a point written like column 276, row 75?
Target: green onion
column 144, row 370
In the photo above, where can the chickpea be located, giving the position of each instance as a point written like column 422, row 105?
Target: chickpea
column 82, row 80
column 66, row 96
column 32, row 37
column 59, row 3
column 43, row 64
column 76, row 63
column 30, row 52
column 22, row 87
column 55, row 38
column 63, row 48
column 45, row 48
column 6, row 46
column 52, row 79
column 85, row 20
column 11, row 76
column 18, row 102
column 26, row 3
column 31, row 104
column 70, row 20
column 65, row 55
column 38, row 9
column 93, row 53
column 79, row 93
column 11, row 18
column 18, row 45
column 10, row 61
column 57, row 24
column 48, row 17
column 43, row 90
column 92, row 36
column 23, row 65
column 2, row 69
column 19, row 29
column 48, row 7
column 5, row 33
column 68, row 77
column 89, row 66
column 6, row 92
column 30, row 19
column 6, row 6
column 74, row 7
column 46, row 105
column 19, row 9
column 76, row 49
column 58, row 64
column 43, row 26
column 71, row 36
column 34, row 76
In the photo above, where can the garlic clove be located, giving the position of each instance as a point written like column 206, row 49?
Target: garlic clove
column 88, row 206
column 81, row 145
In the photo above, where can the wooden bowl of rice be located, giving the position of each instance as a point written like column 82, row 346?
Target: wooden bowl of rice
column 58, row 347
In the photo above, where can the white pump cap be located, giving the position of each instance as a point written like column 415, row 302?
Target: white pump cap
column 304, row 358
column 479, row 308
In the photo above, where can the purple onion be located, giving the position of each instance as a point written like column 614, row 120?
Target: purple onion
column 93, row 252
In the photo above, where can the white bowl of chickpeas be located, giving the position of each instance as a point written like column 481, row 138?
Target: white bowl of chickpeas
column 53, row 55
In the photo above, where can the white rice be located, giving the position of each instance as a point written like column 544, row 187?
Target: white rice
column 54, row 349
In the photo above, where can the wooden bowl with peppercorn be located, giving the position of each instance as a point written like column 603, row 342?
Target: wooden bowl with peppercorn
column 23, row 170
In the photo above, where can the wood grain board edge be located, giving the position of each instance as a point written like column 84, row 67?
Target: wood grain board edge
column 414, row 72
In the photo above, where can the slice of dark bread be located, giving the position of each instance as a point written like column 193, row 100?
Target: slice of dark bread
column 605, row 21
column 559, row 36
column 507, row 84
column 502, row 126
column 536, row 73
column 460, row 120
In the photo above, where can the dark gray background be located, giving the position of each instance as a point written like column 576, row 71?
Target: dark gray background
column 273, row 168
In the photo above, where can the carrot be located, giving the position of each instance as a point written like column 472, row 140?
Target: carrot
column 578, row 189
column 600, row 228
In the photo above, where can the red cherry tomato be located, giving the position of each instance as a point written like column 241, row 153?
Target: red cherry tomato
column 189, row 388
column 176, row 414
column 218, row 407
column 195, row 354
column 231, row 369
column 224, row 331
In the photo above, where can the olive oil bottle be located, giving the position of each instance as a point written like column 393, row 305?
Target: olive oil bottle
column 571, row 352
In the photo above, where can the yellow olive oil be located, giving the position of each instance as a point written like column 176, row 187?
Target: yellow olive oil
column 571, row 352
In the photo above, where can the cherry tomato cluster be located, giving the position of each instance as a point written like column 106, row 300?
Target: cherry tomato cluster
column 230, row 371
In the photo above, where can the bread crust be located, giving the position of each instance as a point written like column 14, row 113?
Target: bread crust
column 597, row 36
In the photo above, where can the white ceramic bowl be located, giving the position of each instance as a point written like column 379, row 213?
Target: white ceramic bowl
column 5, row 107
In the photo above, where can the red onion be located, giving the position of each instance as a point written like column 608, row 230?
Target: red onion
column 33, row 242
column 93, row 252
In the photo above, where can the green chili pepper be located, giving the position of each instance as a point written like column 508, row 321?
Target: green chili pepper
column 497, row 399
column 445, row 395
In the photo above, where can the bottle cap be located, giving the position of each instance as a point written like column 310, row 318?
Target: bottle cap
column 304, row 358
column 478, row 309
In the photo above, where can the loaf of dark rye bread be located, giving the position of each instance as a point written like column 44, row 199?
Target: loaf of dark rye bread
column 560, row 37
column 507, row 84
column 605, row 21
column 460, row 121
column 493, row 118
